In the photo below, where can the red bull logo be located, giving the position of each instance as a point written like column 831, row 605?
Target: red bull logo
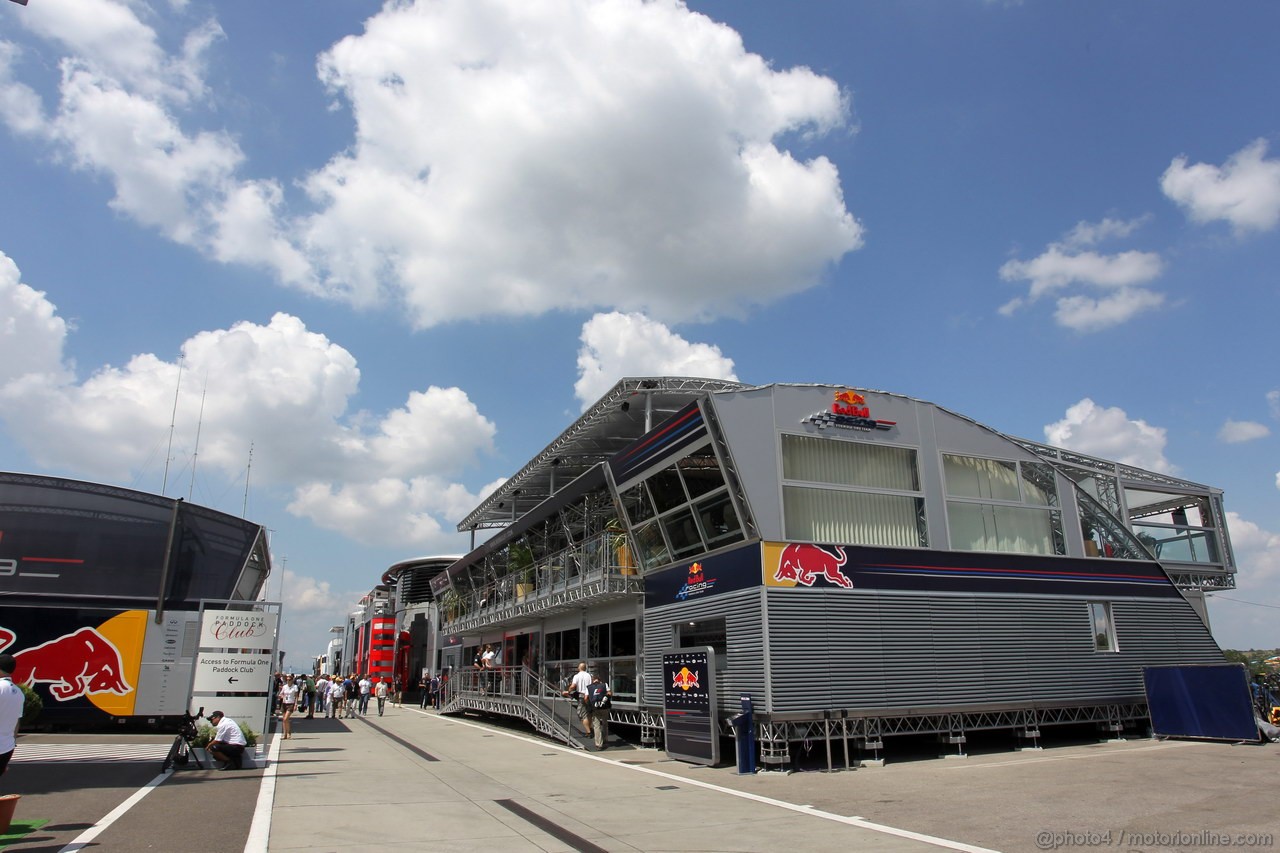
column 850, row 403
column 81, row 663
column 697, row 583
column 686, row 679
column 805, row 565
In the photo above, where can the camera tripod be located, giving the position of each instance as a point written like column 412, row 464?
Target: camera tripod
column 182, row 751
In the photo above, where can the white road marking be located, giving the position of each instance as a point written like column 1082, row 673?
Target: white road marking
column 806, row 810
column 260, row 829
column 83, row 839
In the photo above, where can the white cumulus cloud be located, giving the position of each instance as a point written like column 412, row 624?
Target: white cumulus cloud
column 1245, row 191
column 1096, row 291
column 1111, row 434
column 617, row 345
column 507, row 158
column 1235, row 432
column 279, row 388
column 31, row 332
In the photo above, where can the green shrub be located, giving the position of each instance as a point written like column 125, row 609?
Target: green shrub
column 32, row 705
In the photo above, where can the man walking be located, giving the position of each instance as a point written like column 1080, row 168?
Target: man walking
column 578, row 691
column 366, row 688
column 598, row 700
column 380, row 691
column 11, row 702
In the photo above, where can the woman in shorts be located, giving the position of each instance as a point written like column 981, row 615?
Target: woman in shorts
column 288, row 701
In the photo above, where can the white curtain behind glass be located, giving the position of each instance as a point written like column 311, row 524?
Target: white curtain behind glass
column 851, row 518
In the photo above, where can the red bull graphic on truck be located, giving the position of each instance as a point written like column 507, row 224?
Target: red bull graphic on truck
column 686, row 679
column 802, row 564
column 87, row 662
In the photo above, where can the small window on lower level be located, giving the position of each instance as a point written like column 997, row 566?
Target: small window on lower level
column 1104, row 626
column 704, row 632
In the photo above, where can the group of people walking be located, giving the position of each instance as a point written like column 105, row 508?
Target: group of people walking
column 332, row 695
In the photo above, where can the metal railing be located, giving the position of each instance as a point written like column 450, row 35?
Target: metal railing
column 591, row 570
column 513, row 691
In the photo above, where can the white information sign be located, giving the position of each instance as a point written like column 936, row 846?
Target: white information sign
column 238, row 629
column 232, row 672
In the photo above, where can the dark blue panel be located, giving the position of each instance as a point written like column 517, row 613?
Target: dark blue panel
column 1210, row 702
column 699, row 579
column 670, row 437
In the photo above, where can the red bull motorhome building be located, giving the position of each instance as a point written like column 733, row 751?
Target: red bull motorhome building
column 102, row 588
column 855, row 559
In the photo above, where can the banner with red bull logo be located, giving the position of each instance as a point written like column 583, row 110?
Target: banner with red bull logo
column 707, row 576
column 89, row 664
column 853, row 567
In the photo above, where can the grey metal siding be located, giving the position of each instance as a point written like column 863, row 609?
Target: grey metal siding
column 744, row 671
column 835, row 649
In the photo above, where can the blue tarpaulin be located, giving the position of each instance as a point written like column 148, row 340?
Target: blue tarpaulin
column 1210, row 702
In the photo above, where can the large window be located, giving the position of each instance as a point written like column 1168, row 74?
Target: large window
column 611, row 648
column 704, row 632
column 852, row 513
column 561, row 656
column 682, row 510
column 1174, row 526
column 997, row 505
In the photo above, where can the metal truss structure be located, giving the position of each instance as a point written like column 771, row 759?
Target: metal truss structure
column 519, row 693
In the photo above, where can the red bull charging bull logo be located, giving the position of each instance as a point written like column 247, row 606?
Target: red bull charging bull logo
column 810, row 565
column 686, row 679
column 81, row 663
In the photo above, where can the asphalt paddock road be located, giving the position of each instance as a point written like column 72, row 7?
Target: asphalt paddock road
column 192, row 810
column 416, row 781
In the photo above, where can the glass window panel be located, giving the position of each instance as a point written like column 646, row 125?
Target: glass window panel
column 553, row 646
column 597, row 640
column 666, row 489
column 622, row 638
column 1179, row 544
column 1104, row 635
column 624, row 680
column 971, row 477
column 1038, row 484
column 682, row 533
column 652, row 545
column 570, row 644
column 719, row 520
column 991, row 527
column 849, row 463
column 637, row 504
column 701, row 472
column 853, row 518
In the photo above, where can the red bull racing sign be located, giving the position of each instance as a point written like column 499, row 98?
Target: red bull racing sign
column 849, row 410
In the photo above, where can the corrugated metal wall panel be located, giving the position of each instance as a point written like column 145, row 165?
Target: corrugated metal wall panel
column 833, row 649
column 744, row 627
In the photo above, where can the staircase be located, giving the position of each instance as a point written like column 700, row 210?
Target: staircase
column 515, row 691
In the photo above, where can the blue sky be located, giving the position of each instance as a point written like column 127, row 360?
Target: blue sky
column 398, row 249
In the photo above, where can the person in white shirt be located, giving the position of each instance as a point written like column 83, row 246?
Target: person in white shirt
column 337, row 696
column 380, row 691
column 228, row 742
column 288, row 701
column 578, row 690
column 366, row 686
column 11, row 702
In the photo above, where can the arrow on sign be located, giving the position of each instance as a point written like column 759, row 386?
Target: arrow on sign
column 232, row 680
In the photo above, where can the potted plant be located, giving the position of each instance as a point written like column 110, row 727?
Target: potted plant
column 620, row 545
column 520, row 566
column 451, row 603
